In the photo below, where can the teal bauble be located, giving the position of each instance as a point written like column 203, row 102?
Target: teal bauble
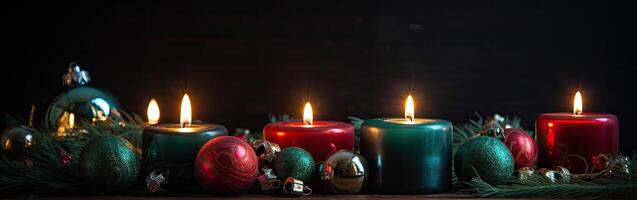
column 486, row 156
column 85, row 102
column 294, row 162
column 109, row 164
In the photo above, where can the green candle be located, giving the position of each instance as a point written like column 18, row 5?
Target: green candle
column 172, row 148
column 407, row 155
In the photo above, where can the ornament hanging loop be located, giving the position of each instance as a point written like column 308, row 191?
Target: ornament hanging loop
column 75, row 76
column 295, row 187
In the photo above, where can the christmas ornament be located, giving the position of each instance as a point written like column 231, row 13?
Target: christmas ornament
column 294, row 162
column 344, row 172
column 609, row 165
column 226, row 164
column 522, row 147
column 154, row 182
column 265, row 150
column 493, row 129
column 245, row 135
column 268, row 182
column 557, row 175
column 78, row 100
column 17, row 140
column 484, row 157
column 109, row 164
column 600, row 162
column 524, row 174
column 295, row 187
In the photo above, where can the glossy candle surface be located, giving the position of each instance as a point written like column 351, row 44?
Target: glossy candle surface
column 321, row 139
column 173, row 150
column 573, row 140
column 407, row 157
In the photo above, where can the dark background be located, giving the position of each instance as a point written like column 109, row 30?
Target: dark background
column 241, row 62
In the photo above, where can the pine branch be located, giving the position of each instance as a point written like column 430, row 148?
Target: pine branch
column 617, row 183
column 43, row 171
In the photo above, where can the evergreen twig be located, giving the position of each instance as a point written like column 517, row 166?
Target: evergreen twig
column 617, row 183
column 43, row 171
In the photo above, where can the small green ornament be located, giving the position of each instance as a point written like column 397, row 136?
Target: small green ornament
column 294, row 162
column 109, row 164
column 486, row 156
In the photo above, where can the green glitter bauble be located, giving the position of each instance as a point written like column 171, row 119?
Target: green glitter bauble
column 486, row 156
column 109, row 164
column 294, row 162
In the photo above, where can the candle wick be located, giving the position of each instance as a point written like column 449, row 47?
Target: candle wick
column 409, row 118
column 185, row 125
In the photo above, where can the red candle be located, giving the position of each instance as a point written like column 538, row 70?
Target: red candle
column 573, row 140
column 320, row 138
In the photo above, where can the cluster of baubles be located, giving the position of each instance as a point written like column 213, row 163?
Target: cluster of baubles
column 229, row 165
column 495, row 160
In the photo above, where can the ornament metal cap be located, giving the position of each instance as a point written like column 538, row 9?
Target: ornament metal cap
column 493, row 129
column 75, row 76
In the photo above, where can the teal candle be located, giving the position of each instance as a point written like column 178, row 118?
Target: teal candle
column 172, row 150
column 407, row 155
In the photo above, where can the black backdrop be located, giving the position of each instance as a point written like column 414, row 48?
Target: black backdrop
column 242, row 62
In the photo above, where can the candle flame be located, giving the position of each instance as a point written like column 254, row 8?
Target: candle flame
column 71, row 120
column 153, row 112
column 409, row 109
column 307, row 114
column 577, row 104
column 186, row 112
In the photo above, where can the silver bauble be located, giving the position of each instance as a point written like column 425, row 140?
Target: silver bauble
column 344, row 172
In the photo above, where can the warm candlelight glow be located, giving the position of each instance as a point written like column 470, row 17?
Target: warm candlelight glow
column 577, row 104
column 71, row 120
column 409, row 109
column 186, row 112
column 153, row 112
column 307, row 114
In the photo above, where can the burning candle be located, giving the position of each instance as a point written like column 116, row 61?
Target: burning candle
column 574, row 140
column 320, row 138
column 172, row 148
column 407, row 155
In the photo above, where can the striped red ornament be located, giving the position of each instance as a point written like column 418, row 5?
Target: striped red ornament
column 226, row 164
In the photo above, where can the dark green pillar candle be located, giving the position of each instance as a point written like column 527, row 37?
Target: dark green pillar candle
column 173, row 150
column 407, row 157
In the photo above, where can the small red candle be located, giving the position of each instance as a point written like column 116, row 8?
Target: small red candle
column 320, row 138
column 573, row 140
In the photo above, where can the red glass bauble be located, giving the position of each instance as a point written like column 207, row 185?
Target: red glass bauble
column 226, row 164
column 522, row 146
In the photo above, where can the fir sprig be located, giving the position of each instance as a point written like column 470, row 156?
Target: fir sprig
column 44, row 171
column 616, row 183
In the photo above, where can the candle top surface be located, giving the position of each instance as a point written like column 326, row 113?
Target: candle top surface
column 314, row 125
column 176, row 128
column 402, row 122
column 407, row 122
column 567, row 115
